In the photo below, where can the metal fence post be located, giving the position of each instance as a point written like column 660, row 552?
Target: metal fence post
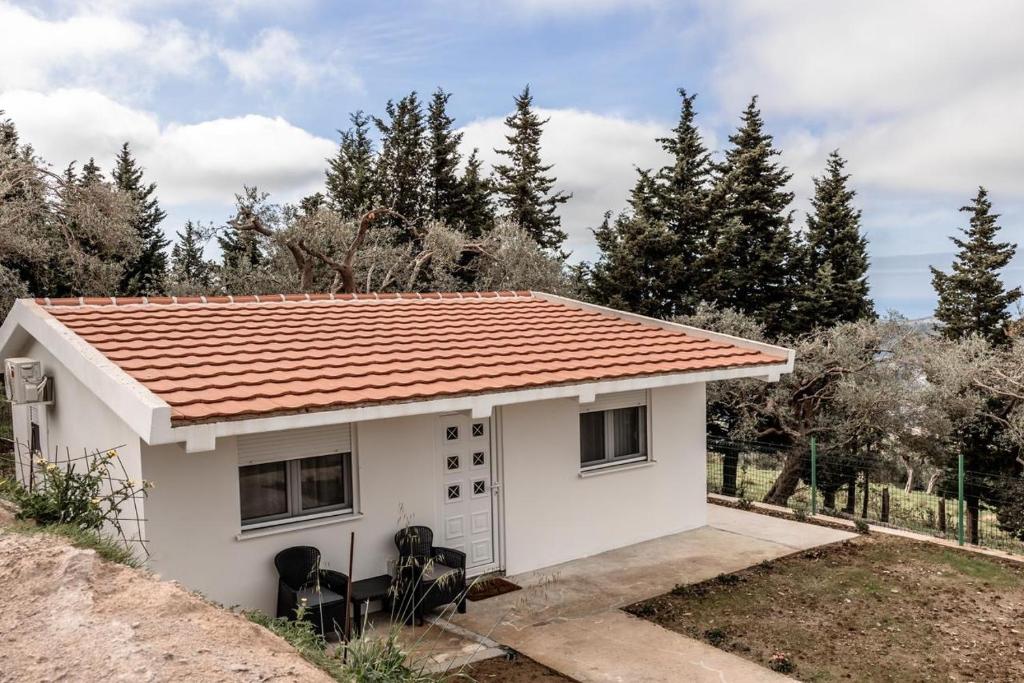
column 960, row 498
column 814, row 476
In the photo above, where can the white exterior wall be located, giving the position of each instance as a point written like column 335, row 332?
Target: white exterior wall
column 194, row 513
column 553, row 515
column 77, row 422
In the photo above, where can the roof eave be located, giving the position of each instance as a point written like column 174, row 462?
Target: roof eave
column 203, row 437
column 142, row 410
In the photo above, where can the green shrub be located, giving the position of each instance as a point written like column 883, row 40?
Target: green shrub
column 370, row 659
column 716, row 636
column 781, row 662
column 744, row 504
column 861, row 526
column 84, row 499
column 800, row 514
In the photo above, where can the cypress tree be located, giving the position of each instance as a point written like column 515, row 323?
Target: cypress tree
column 682, row 199
column 189, row 268
column 972, row 298
column 834, row 263
column 752, row 261
column 402, row 164
column 145, row 274
column 476, row 213
column 443, row 187
column 350, row 173
column 523, row 188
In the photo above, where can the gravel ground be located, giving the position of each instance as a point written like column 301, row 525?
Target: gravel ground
column 66, row 614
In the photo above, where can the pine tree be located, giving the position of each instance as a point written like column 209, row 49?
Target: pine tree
column 523, row 188
column 752, row 260
column 476, row 212
column 240, row 250
column 402, row 163
column 351, row 186
column 636, row 252
column 443, row 187
column 190, row 271
column 834, row 263
column 681, row 192
column 91, row 173
column 145, row 274
column 972, row 298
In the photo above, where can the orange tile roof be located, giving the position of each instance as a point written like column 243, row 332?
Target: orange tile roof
column 223, row 358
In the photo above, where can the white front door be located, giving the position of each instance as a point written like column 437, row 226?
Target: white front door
column 467, row 500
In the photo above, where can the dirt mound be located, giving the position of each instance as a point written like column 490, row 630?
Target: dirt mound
column 66, row 614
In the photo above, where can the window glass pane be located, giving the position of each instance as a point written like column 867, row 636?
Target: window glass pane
column 323, row 481
column 627, row 426
column 591, row 437
column 263, row 490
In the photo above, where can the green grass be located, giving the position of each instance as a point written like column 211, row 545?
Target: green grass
column 105, row 546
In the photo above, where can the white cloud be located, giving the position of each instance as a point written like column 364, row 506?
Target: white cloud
column 921, row 95
column 32, row 48
column 594, row 157
column 92, row 46
column 202, row 162
column 277, row 56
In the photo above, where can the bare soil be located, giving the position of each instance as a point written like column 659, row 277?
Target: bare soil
column 517, row 669
column 66, row 614
column 877, row 608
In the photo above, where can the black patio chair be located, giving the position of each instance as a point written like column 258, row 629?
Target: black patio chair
column 428, row 576
column 324, row 591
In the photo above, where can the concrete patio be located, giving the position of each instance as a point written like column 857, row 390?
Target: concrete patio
column 568, row 617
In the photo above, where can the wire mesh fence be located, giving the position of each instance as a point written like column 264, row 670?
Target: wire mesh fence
column 6, row 441
column 881, row 488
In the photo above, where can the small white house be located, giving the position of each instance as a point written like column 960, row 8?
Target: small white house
column 525, row 429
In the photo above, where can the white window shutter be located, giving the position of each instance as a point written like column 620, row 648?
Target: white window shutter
column 294, row 443
column 625, row 399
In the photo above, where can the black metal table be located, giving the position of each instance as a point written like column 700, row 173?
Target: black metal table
column 366, row 591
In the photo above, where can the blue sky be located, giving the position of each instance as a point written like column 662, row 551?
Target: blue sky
column 924, row 97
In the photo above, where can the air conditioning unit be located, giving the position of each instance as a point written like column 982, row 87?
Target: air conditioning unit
column 25, row 383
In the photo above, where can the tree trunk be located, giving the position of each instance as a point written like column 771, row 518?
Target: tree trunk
column 787, row 481
column 885, row 505
column 910, row 478
column 851, row 494
column 973, row 506
column 867, row 492
column 942, row 515
column 829, row 499
column 730, row 463
column 932, row 481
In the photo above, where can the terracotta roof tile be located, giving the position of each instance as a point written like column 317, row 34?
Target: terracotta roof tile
column 213, row 358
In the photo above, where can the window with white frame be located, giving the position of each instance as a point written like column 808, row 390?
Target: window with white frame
column 275, row 488
column 614, row 430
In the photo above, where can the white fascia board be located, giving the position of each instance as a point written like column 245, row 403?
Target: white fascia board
column 140, row 408
column 697, row 332
column 202, row 437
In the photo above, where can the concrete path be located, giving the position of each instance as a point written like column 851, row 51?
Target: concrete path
column 568, row 617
